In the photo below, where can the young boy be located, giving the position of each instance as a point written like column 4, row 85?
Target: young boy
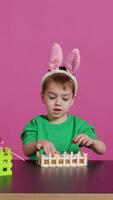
column 58, row 131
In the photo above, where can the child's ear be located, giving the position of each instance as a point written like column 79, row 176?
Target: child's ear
column 42, row 97
column 72, row 102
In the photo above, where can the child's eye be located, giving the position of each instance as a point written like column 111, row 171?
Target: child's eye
column 51, row 97
column 65, row 99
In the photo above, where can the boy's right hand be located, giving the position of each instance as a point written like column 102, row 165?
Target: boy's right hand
column 47, row 146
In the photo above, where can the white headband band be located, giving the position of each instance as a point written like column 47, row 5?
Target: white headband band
column 71, row 66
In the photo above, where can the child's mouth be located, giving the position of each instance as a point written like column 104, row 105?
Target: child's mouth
column 56, row 110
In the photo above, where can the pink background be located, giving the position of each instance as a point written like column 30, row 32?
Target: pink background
column 28, row 29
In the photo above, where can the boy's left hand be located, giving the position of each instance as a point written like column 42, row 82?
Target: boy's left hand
column 83, row 140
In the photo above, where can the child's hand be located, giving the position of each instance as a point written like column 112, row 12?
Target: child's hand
column 83, row 140
column 47, row 146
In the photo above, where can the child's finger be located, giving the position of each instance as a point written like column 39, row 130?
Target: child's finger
column 39, row 145
column 80, row 141
column 53, row 150
column 47, row 149
column 77, row 138
column 83, row 140
column 88, row 143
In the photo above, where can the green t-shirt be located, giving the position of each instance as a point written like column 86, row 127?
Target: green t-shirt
column 61, row 135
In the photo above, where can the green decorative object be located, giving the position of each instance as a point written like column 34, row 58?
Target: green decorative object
column 5, row 161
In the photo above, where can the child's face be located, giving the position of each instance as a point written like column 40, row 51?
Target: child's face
column 57, row 100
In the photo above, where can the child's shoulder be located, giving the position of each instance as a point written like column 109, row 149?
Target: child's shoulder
column 39, row 118
column 78, row 119
column 83, row 124
column 79, row 122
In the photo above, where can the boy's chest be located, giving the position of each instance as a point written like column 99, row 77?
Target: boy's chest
column 61, row 138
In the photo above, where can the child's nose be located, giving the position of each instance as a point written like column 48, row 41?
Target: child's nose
column 58, row 101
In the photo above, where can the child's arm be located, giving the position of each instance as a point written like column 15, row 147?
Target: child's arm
column 31, row 148
column 96, row 145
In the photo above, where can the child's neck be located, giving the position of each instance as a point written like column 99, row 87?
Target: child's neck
column 57, row 120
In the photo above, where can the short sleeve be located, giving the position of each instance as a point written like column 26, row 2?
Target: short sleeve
column 87, row 129
column 29, row 133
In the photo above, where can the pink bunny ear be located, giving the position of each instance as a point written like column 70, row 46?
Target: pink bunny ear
column 1, row 142
column 56, row 56
column 73, row 61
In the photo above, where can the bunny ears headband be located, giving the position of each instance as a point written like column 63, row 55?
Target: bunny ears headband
column 55, row 63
